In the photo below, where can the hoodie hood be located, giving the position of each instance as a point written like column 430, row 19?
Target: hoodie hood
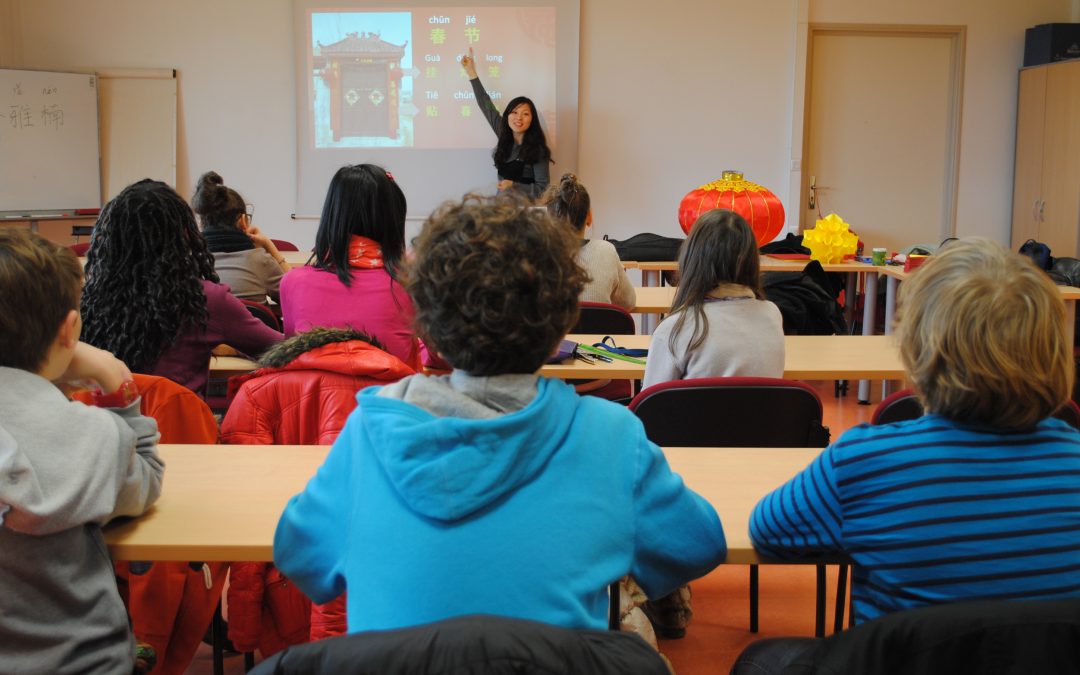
column 448, row 468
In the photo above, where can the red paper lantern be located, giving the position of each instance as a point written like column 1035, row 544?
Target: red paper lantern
column 760, row 207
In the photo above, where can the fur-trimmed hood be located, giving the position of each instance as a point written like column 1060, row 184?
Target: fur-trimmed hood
column 286, row 351
column 333, row 350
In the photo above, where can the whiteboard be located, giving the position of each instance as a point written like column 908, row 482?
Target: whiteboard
column 138, row 127
column 48, row 141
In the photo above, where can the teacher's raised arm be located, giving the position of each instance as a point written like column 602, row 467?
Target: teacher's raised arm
column 521, row 153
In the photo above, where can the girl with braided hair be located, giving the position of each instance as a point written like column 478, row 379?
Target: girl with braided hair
column 152, row 297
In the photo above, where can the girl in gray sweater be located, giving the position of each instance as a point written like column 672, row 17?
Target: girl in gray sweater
column 720, row 325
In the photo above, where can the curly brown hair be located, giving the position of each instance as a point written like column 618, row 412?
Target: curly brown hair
column 494, row 284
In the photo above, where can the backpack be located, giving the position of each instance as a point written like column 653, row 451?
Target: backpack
column 647, row 247
column 1039, row 254
column 805, row 300
column 792, row 243
column 1065, row 271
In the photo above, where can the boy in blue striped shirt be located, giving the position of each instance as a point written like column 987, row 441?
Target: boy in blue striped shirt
column 979, row 498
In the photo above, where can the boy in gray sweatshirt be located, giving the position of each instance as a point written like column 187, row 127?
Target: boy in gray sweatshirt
column 66, row 469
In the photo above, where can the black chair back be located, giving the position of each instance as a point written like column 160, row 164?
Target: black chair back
column 1004, row 636
column 603, row 319
column 904, row 405
column 472, row 644
column 754, row 412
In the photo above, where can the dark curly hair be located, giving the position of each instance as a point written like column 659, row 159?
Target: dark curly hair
column 218, row 205
column 144, row 273
column 494, row 284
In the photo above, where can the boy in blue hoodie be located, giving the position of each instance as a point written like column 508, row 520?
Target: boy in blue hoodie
column 492, row 490
column 66, row 469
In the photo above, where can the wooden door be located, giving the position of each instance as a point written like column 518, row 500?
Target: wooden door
column 365, row 105
column 1059, row 226
column 1027, row 180
column 881, row 131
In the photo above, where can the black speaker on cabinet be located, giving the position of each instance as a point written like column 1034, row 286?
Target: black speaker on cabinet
column 1051, row 42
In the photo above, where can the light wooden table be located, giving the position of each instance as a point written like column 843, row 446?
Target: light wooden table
column 651, row 274
column 895, row 274
column 296, row 257
column 807, row 357
column 222, row 502
column 654, row 299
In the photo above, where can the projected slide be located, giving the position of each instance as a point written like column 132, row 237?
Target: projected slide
column 392, row 78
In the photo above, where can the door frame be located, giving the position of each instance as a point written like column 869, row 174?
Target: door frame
column 807, row 31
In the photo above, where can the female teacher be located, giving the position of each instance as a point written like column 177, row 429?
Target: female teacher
column 521, row 154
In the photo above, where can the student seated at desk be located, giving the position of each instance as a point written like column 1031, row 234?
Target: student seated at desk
column 152, row 296
column 245, row 259
column 492, row 490
column 67, row 469
column 978, row 498
column 355, row 279
column 569, row 202
column 720, row 323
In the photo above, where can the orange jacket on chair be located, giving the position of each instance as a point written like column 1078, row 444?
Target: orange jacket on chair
column 169, row 603
column 304, row 399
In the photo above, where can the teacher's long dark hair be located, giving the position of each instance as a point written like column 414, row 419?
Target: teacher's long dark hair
column 362, row 199
column 144, row 274
column 534, row 146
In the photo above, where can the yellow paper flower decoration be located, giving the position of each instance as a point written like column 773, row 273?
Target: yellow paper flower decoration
column 830, row 240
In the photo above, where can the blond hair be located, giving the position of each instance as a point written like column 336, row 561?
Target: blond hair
column 982, row 336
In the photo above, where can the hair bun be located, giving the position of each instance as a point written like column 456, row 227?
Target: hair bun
column 213, row 178
column 568, row 178
column 209, row 193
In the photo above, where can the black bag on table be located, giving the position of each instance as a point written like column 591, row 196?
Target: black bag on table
column 1039, row 254
column 647, row 247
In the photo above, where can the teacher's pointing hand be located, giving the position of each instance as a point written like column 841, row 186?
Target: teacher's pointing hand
column 469, row 64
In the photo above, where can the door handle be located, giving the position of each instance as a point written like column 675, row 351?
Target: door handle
column 812, row 203
column 1035, row 211
column 1042, row 209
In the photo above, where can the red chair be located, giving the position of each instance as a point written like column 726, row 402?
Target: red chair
column 80, row 248
column 604, row 319
column 263, row 313
column 740, row 412
column 283, row 245
column 904, row 405
column 600, row 318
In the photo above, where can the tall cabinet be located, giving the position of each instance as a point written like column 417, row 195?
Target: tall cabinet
column 1046, row 187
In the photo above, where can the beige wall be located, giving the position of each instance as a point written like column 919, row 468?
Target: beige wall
column 10, row 45
column 671, row 93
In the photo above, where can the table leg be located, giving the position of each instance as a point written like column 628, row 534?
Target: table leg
column 648, row 323
column 1070, row 322
column 650, row 278
column 869, row 315
column 892, row 285
column 851, row 291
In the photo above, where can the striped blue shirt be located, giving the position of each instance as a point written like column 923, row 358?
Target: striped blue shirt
column 932, row 511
